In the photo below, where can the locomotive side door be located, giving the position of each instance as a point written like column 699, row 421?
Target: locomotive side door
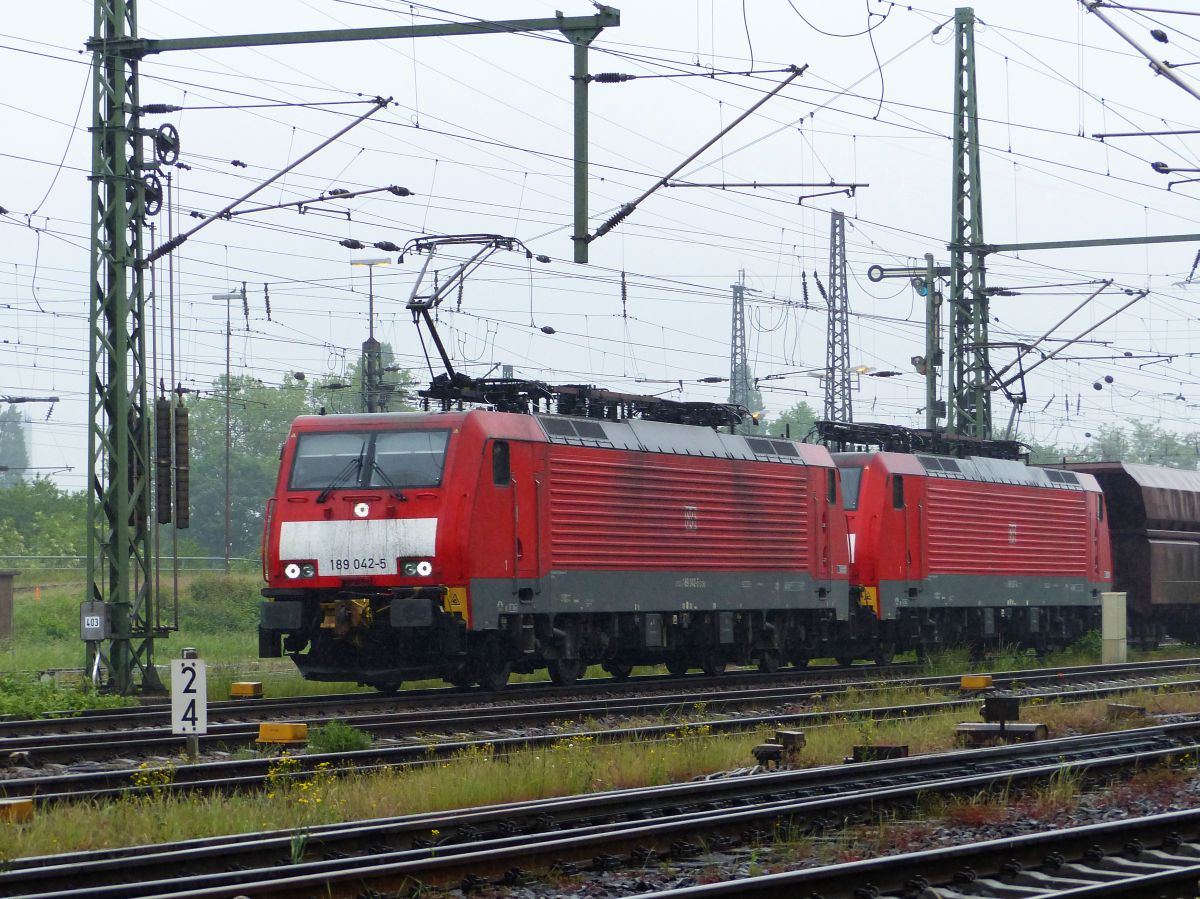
column 904, row 510
column 501, row 511
column 527, row 490
column 518, row 526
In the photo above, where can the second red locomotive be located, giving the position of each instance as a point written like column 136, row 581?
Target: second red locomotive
column 974, row 551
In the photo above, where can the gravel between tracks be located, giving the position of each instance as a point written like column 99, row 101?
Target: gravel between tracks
column 1024, row 815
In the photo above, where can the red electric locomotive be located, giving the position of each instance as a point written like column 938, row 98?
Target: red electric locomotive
column 467, row 545
column 971, row 551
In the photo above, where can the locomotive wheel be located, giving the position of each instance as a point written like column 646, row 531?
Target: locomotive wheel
column 564, row 672
column 800, row 660
column 618, row 670
column 885, row 654
column 461, row 678
column 387, row 688
column 678, row 667
column 493, row 673
column 712, row 666
column 845, row 661
column 770, row 661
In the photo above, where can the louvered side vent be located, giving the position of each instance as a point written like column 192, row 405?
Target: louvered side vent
column 663, row 512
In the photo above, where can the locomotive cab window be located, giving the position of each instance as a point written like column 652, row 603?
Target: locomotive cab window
column 501, row 468
column 831, row 484
column 408, row 459
column 350, row 460
column 851, row 479
column 897, row 491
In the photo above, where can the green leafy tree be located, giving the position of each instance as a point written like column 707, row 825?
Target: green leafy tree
column 39, row 518
column 260, row 416
column 1048, row 453
column 798, row 421
column 742, row 390
column 1143, row 442
column 342, row 394
column 12, row 447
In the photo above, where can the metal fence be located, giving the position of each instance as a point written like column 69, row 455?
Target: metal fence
column 79, row 563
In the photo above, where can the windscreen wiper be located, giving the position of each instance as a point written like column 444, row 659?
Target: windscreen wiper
column 387, row 482
column 353, row 466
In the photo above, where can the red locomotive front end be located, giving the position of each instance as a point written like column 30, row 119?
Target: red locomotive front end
column 365, row 542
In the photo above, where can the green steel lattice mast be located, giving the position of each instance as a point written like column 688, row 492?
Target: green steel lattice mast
column 969, row 399
column 120, row 559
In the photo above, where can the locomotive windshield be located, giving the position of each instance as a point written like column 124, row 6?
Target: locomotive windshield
column 851, row 481
column 359, row 459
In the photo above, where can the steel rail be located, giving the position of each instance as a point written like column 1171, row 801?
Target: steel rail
column 241, row 774
column 612, row 843
column 313, row 707
column 815, row 793
column 1133, row 857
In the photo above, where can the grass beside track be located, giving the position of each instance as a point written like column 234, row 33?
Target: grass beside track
column 571, row 766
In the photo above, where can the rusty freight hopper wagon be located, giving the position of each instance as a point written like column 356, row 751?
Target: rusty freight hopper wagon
column 467, row 545
column 1154, row 519
column 972, row 551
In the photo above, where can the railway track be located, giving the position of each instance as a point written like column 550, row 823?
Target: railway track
column 473, row 848
column 339, row 705
column 239, row 774
column 1155, row 855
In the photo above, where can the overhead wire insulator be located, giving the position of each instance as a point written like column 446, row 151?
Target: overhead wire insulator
column 618, row 217
column 611, row 77
column 267, row 300
column 624, row 297
column 821, row 287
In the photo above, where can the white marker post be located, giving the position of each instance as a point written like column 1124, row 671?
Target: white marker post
column 189, row 700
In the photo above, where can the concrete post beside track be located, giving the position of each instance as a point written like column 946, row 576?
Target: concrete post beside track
column 1112, row 628
column 6, row 604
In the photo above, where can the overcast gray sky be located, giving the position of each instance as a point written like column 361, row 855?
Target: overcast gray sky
column 482, row 134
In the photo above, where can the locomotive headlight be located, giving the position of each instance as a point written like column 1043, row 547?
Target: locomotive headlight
column 413, row 568
column 294, row 570
column 424, row 568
